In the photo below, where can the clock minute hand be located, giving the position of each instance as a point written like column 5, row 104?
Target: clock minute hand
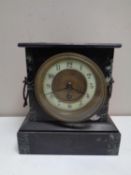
column 55, row 91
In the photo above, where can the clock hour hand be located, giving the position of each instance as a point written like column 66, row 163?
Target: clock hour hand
column 77, row 90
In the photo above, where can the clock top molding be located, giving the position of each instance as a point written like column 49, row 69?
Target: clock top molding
column 70, row 45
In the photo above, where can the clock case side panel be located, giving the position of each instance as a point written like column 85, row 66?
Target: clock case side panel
column 103, row 57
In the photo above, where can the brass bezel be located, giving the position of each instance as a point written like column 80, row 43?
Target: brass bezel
column 81, row 114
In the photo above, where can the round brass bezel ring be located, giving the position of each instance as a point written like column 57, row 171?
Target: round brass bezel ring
column 81, row 114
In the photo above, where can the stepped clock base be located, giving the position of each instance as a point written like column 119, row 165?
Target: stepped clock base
column 98, row 138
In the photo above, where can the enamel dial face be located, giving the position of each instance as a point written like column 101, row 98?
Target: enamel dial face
column 70, row 87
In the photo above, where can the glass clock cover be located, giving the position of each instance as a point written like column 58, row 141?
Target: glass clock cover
column 70, row 87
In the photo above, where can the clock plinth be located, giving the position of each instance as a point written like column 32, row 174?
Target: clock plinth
column 88, row 129
column 99, row 138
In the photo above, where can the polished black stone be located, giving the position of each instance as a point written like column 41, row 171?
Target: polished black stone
column 42, row 134
column 71, row 45
column 97, row 138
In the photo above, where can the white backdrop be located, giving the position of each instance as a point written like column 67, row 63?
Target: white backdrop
column 80, row 21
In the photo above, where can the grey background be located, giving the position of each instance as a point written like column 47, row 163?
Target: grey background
column 78, row 21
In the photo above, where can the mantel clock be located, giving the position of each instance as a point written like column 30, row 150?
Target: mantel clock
column 69, row 87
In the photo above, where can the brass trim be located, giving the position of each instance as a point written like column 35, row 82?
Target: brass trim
column 81, row 114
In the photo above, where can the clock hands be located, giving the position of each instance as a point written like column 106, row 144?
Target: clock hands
column 69, row 89
column 79, row 91
column 55, row 91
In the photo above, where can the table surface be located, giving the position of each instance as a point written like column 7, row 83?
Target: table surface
column 12, row 163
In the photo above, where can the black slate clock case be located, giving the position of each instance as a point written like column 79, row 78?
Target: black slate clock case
column 42, row 134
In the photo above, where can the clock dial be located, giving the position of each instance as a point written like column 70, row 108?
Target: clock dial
column 70, row 87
